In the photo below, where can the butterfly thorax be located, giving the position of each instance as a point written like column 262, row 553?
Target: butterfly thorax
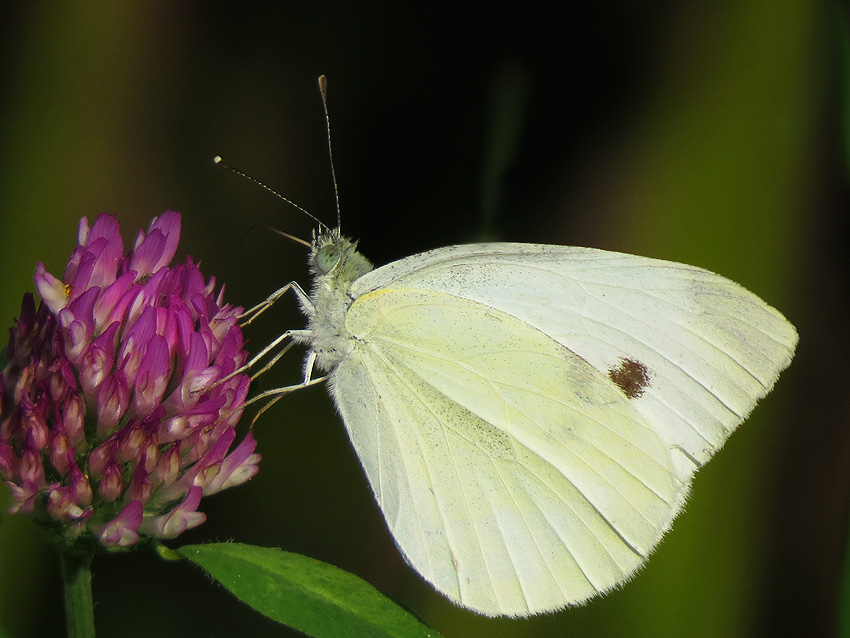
column 335, row 265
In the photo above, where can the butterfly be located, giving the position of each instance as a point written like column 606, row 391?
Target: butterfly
column 530, row 417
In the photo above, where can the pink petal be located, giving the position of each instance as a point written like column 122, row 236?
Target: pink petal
column 122, row 531
column 50, row 289
column 238, row 467
column 113, row 302
column 153, row 376
column 146, row 257
column 169, row 224
column 178, row 520
column 83, row 232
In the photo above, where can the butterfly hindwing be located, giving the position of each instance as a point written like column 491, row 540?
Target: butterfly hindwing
column 514, row 476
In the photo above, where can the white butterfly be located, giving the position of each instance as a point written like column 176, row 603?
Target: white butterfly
column 530, row 417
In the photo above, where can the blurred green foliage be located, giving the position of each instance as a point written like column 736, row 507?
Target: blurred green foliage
column 708, row 133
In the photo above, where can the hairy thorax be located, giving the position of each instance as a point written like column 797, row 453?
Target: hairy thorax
column 329, row 338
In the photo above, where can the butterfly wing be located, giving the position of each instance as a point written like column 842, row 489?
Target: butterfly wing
column 514, row 476
column 694, row 350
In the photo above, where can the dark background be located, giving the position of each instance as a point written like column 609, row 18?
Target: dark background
column 711, row 134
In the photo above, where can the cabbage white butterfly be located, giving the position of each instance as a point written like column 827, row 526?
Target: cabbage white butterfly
column 530, row 417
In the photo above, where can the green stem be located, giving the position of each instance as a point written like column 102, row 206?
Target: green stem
column 79, row 605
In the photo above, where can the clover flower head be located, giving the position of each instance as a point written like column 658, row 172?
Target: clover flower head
column 112, row 422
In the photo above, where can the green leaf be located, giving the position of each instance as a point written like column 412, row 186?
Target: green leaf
column 309, row 595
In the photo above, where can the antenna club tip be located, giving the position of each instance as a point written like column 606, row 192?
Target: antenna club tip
column 217, row 159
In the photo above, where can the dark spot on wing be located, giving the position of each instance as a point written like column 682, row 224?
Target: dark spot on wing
column 631, row 377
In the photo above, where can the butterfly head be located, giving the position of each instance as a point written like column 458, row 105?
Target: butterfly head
column 336, row 257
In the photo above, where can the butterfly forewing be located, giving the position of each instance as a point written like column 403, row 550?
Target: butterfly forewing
column 708, row 348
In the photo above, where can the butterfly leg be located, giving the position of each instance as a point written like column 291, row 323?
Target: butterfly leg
column 260, row 308
column 289, row 334
column 278, row 394
column 308, row 366
column 249, row 315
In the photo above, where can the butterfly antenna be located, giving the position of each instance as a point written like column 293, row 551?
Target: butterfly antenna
column 218, row 160
column 323, row 89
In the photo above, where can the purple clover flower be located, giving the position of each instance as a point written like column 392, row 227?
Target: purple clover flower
column 110, row 424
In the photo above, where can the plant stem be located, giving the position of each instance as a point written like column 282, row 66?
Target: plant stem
column 79, row 605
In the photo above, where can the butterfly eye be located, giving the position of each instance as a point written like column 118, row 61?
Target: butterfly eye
column 327, row 258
